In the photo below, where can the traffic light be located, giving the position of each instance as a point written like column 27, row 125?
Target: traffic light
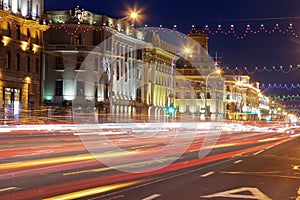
column 171, row 109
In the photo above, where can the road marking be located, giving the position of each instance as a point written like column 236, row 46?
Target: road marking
column 256, row 194
column 258, row 152
column 207, row 174
column 238, row 161
column 154, row 196
column 9, row 188
column 266, row 173
column 298, row 198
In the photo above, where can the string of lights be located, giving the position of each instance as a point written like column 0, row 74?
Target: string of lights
column 279, row 86
column 239, row 32
column 251, row 70
column 248, row 30
column 288, row 97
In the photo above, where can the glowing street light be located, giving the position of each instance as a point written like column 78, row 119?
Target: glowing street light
column 134, row 15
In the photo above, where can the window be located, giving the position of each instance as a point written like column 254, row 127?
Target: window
column 29, row 7
column 8, row 60
column 80, row 88
column 37, row 40
column 77, row 40
column 138, row 95
column 8, row 29
column 208, row 95
column 18, row 62
column 35, row 12
column 118, row 70
column 58, row 88
column 28, row 33
column 187, row 108
column 18, row 32
column 139, row 54
column 125, row 73
column 19, row 5
column 28, row 63
column 187, row 95
column 59, row 62
column 80, row 60
column 37, row 66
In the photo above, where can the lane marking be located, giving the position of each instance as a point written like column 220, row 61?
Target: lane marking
column 9, row 188
column 298, row 198
column 258, row 152
column 268, row 174
column 154, row 196
column 238, row 161
column 207, row 174
column 255, row 194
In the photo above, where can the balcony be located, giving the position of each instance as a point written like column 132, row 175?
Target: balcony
column 69, row 47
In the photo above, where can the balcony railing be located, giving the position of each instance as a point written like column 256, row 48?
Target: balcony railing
column 69, row 47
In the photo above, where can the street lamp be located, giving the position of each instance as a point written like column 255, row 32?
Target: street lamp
column 133, row 16
column 218, row 71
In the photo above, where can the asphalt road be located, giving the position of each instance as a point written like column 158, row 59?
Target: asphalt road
column 272, row 173
column 64, row 163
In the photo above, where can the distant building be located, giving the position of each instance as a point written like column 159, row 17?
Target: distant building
column 244, row 100
column 199, row 83
column 21, row 31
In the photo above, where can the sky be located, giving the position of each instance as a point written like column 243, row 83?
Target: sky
column 259, row 50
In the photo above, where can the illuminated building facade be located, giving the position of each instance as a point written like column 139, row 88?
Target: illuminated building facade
column 198, row 84
column 115, row 72
column 21, row 58
column 244, row 100
column 158, row 79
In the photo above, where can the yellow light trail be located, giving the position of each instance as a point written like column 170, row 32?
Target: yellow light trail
column 92, row 191
column 65, row 159
column 149, row 162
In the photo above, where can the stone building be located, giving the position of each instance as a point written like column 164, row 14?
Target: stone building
column 21, row 31
column 244, row 100
column 199, row 83
column 106, row 63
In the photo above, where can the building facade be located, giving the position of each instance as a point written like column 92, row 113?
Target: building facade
column 95, row 58
column 198, row 82
column 21, row 31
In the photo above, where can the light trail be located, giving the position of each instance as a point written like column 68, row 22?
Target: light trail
column 92, row 191
column 66, row 159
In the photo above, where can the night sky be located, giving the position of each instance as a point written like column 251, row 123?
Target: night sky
column 259, row 50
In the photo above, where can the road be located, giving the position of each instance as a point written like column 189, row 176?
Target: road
column 139, row 161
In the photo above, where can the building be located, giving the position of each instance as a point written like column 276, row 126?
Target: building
column 94, row 59
column 244, row 100
column 199, row 83
column 21, row 31
column 158, row 79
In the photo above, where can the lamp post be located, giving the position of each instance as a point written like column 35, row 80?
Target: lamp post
column 218, row 71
